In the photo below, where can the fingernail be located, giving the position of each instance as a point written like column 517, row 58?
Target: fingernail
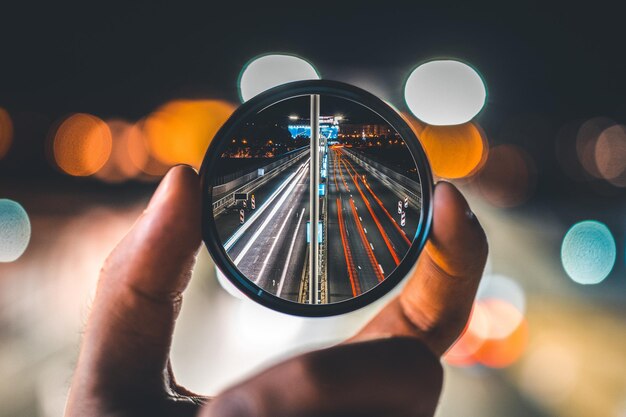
column 161, row 193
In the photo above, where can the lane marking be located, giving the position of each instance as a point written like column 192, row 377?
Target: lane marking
column 372, row 246
column 293, row 241
column 269, row 218
column 280, row 231
column 382, row 231
column 352, row 274
column 364, row 241
column 365, row 230
column 381, row 268
column 237, row 235
column 380, row 203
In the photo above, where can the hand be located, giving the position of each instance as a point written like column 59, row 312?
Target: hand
column 390, row 368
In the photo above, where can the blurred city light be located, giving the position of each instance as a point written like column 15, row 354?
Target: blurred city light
column 82, row 144
column 507, row 178
column 128, row 155
column 495, row 336
column 180, row 131
column 445, row 92
column 454, row 151
column 504, row 318
column 500, row 287
column 6, row 132
column 610, row 155
column 503, row 352
column 267, row 71
column 588, row 252
column 14, row 230
column 586, row 140
column 463, row 351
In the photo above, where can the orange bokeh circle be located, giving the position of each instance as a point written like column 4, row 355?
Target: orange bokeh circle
column 455, row 151
column 181, row 131
column 82, row 144
column 500, row 353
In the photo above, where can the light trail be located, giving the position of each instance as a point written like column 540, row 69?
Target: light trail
column 237, row 235
column 335, row 171
column 352, row 274
column 280, row 232
column 293, row 241
column 341, row 174
column 369, row 252
column 382, row 206
column 270, row 217
column 382, row 231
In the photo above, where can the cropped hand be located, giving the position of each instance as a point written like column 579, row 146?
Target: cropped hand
column 390, row 368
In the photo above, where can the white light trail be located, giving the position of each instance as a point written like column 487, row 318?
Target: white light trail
column 280, row 232
column 235, row 237
column 293, row 241
column 270, row 216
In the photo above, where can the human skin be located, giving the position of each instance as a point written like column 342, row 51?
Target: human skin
column 390, row 368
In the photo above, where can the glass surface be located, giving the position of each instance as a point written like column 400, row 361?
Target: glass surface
column 369, row 200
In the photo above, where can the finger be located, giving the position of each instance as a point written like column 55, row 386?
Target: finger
column 394, row 377
column 437, row 300
column 128, row 335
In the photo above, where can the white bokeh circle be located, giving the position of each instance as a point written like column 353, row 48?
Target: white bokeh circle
column 445, row 92
column 269, row 71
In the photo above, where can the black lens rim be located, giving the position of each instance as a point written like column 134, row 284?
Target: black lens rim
column 269, row 98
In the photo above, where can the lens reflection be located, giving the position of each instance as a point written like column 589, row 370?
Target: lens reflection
column 369, row 198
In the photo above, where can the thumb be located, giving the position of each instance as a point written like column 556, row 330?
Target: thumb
column 128, row 335
column 436, row 301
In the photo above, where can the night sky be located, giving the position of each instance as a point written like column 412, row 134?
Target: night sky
column 543, row 66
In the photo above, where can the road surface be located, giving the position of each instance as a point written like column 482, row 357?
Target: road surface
column 365, row 239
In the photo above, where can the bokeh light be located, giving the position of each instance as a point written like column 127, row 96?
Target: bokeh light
column 180, row 131
column 269, row 71
column 445, row 92
column 586, row 140
column 501, row 287
column 455, row 151
column 82, row 144
column 129, row 153
column 588, row 252
column 610, row 155
column 6, row 132
column 463, row 351
column 507, row 178
column 503, row 352
column 504, row 319
column 495, row 336
column 14, row 230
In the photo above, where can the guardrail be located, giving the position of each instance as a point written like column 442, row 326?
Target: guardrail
column 252, row 180
column 401, row 185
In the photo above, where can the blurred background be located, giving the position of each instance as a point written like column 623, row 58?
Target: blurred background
column 97, row 101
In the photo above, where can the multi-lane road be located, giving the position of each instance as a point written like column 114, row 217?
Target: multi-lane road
column 364, row 241
column 270, row 246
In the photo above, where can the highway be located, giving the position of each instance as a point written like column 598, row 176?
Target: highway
column 365, row 239
column 270, row 247
column 364, row 242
